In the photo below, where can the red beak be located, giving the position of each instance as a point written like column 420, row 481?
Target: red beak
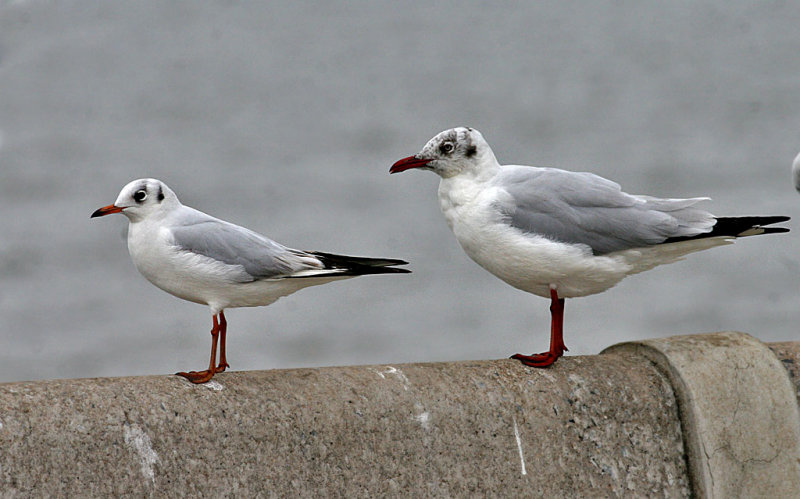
column 408, row 163
column 106, row 210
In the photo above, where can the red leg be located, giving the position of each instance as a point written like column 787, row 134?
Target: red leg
column 557, row 347
column 205, row 376
column 223, row 328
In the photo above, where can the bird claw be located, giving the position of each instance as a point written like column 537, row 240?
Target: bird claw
column 545, row 359
column 221, row 367
column 198, row 376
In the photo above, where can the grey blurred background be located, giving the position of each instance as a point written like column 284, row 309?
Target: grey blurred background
column 285, row 117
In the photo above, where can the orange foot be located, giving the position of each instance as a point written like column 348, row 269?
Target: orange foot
column 545, row 359
column 221, row 367
column 198, row 376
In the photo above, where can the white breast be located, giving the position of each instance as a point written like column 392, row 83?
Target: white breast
column 154, row 256
column 526, row 261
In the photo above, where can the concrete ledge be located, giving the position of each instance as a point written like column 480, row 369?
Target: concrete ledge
column 739, row 412
column 789, row 354
column 589, row 426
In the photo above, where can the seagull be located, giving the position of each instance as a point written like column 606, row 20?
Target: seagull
column 796, row 172
column 205, row 260
column 560, row 234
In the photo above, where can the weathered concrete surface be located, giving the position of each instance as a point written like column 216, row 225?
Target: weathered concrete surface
column 789, row 353
column 739, row 412
column 587, row 427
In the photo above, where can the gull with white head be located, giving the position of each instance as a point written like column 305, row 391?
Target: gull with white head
column 561, row 234
column 205, row 260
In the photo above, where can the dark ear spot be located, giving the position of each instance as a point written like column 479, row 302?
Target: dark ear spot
column 471, row 151
column 160, row 194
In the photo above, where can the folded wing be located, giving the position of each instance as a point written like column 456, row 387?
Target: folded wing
column 249, row 256
column 585, row 209
column 256, row 256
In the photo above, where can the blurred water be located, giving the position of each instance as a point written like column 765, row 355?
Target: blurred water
column 285, row 116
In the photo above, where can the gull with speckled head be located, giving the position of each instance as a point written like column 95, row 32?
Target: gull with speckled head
column 560, row 234
column 205, row 260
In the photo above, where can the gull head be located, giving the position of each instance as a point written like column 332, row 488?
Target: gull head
column 140, row 199
column 449, row 153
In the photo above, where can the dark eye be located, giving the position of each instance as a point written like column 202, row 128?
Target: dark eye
column 140, row 195
column 447, row 147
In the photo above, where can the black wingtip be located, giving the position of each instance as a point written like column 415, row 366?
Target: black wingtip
column 740, row 227
column 768, row 220
column 748, row 226
column 360, row 260
column 388, row 270
column 774, row 230
column 359, row 265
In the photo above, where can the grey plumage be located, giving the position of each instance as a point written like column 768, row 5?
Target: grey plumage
column 259, row 256
column 583, row 208
column 262, row 258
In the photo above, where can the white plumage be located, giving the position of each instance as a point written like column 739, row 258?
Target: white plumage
column 562, row 234
column 205, row 260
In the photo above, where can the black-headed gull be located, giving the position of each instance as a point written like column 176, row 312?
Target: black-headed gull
column 205, row 260
column 561, row 234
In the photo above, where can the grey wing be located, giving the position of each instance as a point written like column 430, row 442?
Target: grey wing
column 258, row 256
column 582, row 208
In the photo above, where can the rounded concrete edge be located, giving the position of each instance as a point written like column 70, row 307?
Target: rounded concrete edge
column 738, row 409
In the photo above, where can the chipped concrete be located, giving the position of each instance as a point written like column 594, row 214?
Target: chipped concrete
column 138, row 440
column 587, row 427
column 213, row 385
column 519, row 447
column 738, row 409
column 394, row 372
column 789, row 354
column 422, row 417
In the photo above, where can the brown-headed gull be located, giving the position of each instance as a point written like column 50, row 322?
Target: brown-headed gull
column 561, row 234
column 205, row 260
